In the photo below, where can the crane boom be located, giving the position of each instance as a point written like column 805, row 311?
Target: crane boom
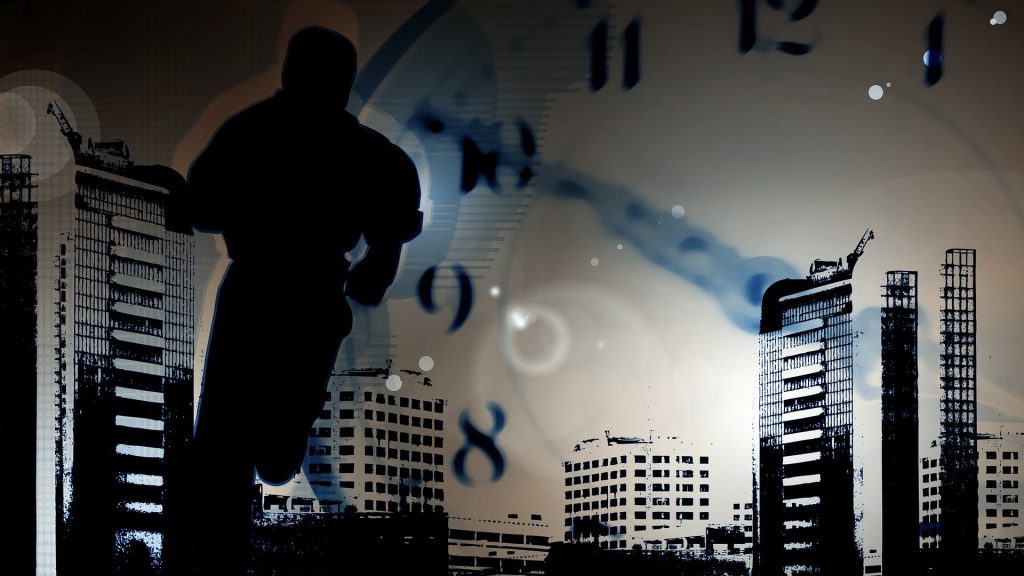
column 74, row 138
column 851, row 259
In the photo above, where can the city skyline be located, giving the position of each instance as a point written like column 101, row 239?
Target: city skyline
column 765, row 154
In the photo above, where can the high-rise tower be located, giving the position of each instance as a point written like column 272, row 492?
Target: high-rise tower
column 958, row 405
column 805, row 521
column 899, row 422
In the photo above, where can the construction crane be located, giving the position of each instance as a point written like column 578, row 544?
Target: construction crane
column 74, row 138
column 851, row 259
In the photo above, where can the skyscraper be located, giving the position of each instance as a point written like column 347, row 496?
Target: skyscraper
column 19, row 219
column 958, row 407
column 127, row 331
column 804, row 519
column 899, row 422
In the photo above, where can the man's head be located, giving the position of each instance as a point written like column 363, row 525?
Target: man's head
column 320, row 64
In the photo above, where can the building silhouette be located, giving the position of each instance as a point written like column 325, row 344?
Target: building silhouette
column 124, row 357
column 804, row 488
column 19, row 220
column 899, row 422
column 621, row 492
column 958, row 406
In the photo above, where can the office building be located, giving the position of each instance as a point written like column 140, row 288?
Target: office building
column 378, row 446
column 124, row 362
column 511, row 545
column 899, row 422
column 622, row 492
column 804, row 522
column 1000, row 446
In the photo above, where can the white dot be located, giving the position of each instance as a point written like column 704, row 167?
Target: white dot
column 594, row 261
column 888, row 84
column 600, row 344
column 678, row 211
column 618, row 246
column 495, row 291
column 999, row 17
column 875, row 92
column 992, row 21
column 426, row 363
column 393, row 383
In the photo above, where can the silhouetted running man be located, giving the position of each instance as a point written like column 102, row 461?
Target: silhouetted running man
column 292, row 183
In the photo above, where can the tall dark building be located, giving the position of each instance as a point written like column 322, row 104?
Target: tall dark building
column 127, row 334
column 19, row 219
column 805, row 521
column 899, row 423
column 958, row 406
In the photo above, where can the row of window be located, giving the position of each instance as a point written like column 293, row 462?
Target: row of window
column 404, row 437
column 991, row 525
column 391, row 506
column 471, row 536
column 596, row 491
column 403, row 490
column 653, row 502
column 124, row 200
column 391, row 400
column 1006, row 470
column 404, row 473
column 637, row 459
column 637, row 473
column 403, row 455
column 991, row 455
column 1007, row 513
column 1005, row 483
column 390, row 417
column 1007, row 498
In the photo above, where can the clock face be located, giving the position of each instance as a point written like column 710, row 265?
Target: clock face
column 608, row 189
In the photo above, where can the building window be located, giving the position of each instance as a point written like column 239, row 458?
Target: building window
column 990, row 484
column 684, row 515
column 704, row 515
column 639, row 515
column 640, row 487
column 990, row 469
column 347, row 468
column 346, row 395
column 705, row 487
column 347, row 414
column 687, row 487
column 704, row 473
column 640, row 473
column 990, row 455
column 319, row 468
column 705, row 501
column 704, row 459
column 640, row 501
column 639, row 459
column 1009, row 513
